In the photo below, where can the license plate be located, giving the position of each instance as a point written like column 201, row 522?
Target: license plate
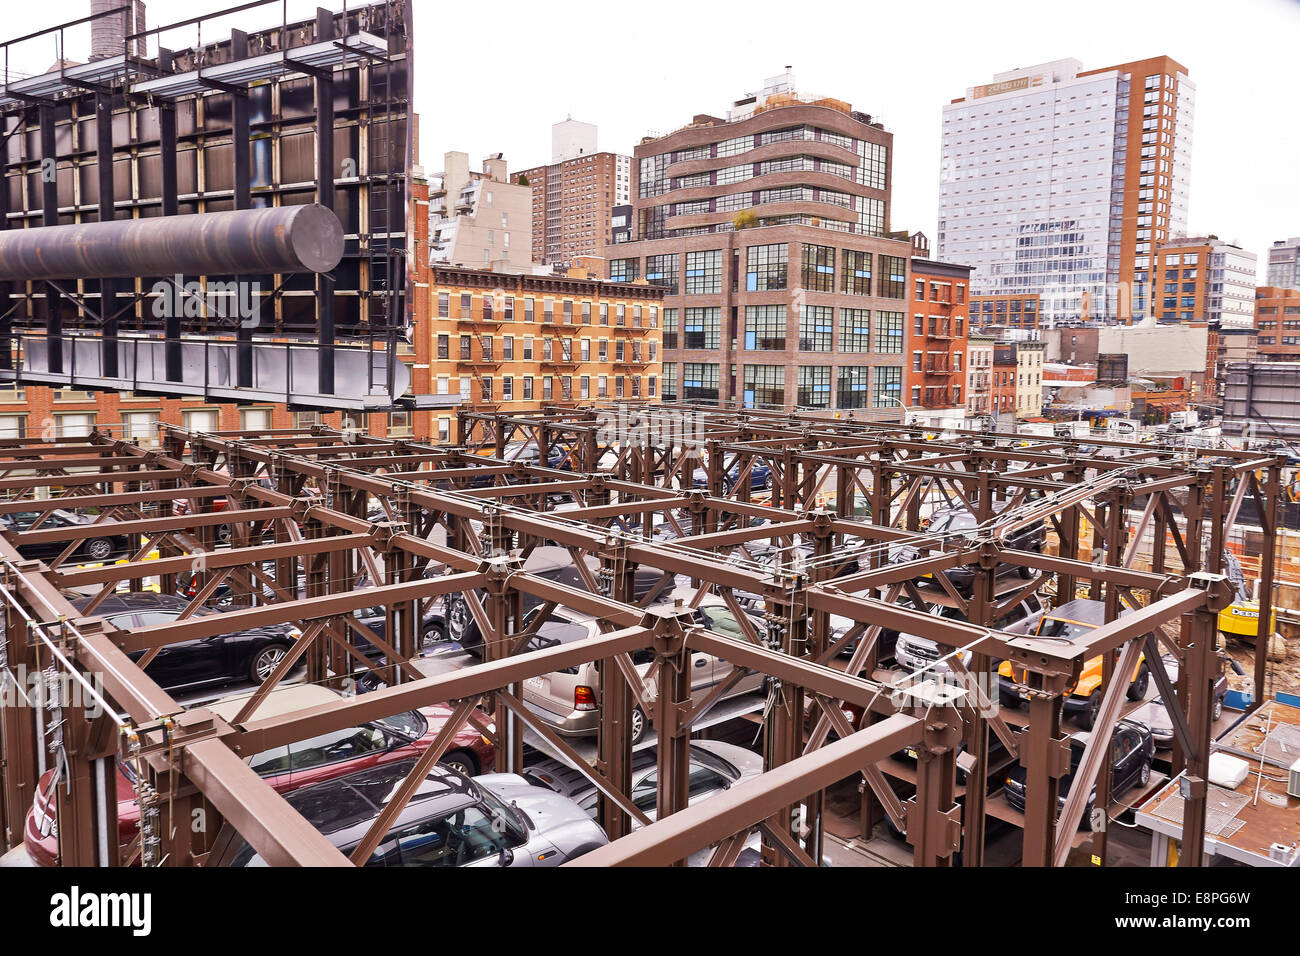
column 911, row 752
column 539, row 683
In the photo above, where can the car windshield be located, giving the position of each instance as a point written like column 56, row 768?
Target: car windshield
column 511, row 817
column 1060, row 627
column 409, row 726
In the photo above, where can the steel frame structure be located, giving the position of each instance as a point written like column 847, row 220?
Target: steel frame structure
column 314, row 514
column 316, row 110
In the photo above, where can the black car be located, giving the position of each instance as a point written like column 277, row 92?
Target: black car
column 553, row 564
column 243, row 655
column 1132, row 747
column 94, row 549
column 958, row 520
column 434, row 624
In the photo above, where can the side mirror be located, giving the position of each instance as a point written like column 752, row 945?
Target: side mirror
column 507, row 857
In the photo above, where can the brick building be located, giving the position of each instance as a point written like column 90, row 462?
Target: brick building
column 574, row 197
column 769, row 232
column 937, row 341
column 523, row 342
column 1277, row 320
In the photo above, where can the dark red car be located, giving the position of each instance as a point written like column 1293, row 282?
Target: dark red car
column 379, row 742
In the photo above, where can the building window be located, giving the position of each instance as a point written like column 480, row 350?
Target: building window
column 444, row 431
column 889, row 332
column 856, row 277
column 13, row 426
column 699, row 382
column 851, row 390
column 765, row 327
column 887, row 386
column 855, row 330
column 764, row 386
column 702, row 328
column 623, row 270
column 444, row 305
column 662, row 271
column 670, row 382
column 399, row 425
column 766, row 267
column 670, row 328
column 704, row 272
column 200, row 420
column 814, row 386
column 818, row 268
column 816, row 328
column 486, row 390
column 893, row 277
column 142, row 427
column 507, row 388
column 444, row 348
column 528, row 310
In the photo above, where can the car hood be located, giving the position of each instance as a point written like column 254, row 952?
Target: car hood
column 546, row 809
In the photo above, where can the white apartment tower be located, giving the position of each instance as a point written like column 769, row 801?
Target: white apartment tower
column 1061, row 183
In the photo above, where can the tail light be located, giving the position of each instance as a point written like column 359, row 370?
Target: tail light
column 584, row 698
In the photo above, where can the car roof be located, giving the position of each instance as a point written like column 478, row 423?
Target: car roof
column 282, row 700
column 122, row 603
column 1082, row 610
column 351, row 802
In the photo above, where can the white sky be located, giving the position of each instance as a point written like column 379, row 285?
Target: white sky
column 493, row 77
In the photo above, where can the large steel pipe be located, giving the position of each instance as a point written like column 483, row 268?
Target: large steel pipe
column 285, row 239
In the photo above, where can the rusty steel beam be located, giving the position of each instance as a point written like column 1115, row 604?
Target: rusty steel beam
column 748, row 804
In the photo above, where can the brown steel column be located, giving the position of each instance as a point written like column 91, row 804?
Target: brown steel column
column 18, row 732
column 1272, row 494
column 1043, row 753
column 614, row 735
column 674, row 685
column 1201, row 663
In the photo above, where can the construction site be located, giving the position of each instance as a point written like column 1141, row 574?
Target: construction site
column 641, row 635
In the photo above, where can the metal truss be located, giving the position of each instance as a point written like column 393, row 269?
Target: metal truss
column 306, row 527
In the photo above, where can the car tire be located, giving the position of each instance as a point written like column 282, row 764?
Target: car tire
column 266, row 660
column 224, row 534
column 462, row 762
column 1144, row 775
column 98, row 549
column 1010, row 701
column 639, row 725
column 1218, row 708
column 434, row 634
column 769, row 485
column 1088, row 716
column 1026, row 572
column 1137, row 689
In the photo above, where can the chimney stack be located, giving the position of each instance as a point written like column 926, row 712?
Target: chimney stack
column 108, row 33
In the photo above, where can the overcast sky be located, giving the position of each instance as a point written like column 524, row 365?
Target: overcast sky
column 493, row 77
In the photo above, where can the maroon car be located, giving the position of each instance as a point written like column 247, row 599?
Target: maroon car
column 301, row 764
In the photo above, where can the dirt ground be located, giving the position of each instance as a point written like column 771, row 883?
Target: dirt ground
column 1283, row 675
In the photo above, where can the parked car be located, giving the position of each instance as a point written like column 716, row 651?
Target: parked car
column 715, row 767
column 959, row 519
column 95, row 549
column 286, row 769
column 568, row 700
column 554, row 564
column 434, row 624
column 1068, row 622
column 915, row 653
column 251, row 654
column 760, row 477
column 1131, row 750
column 452, row 820
column 1156, row 717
